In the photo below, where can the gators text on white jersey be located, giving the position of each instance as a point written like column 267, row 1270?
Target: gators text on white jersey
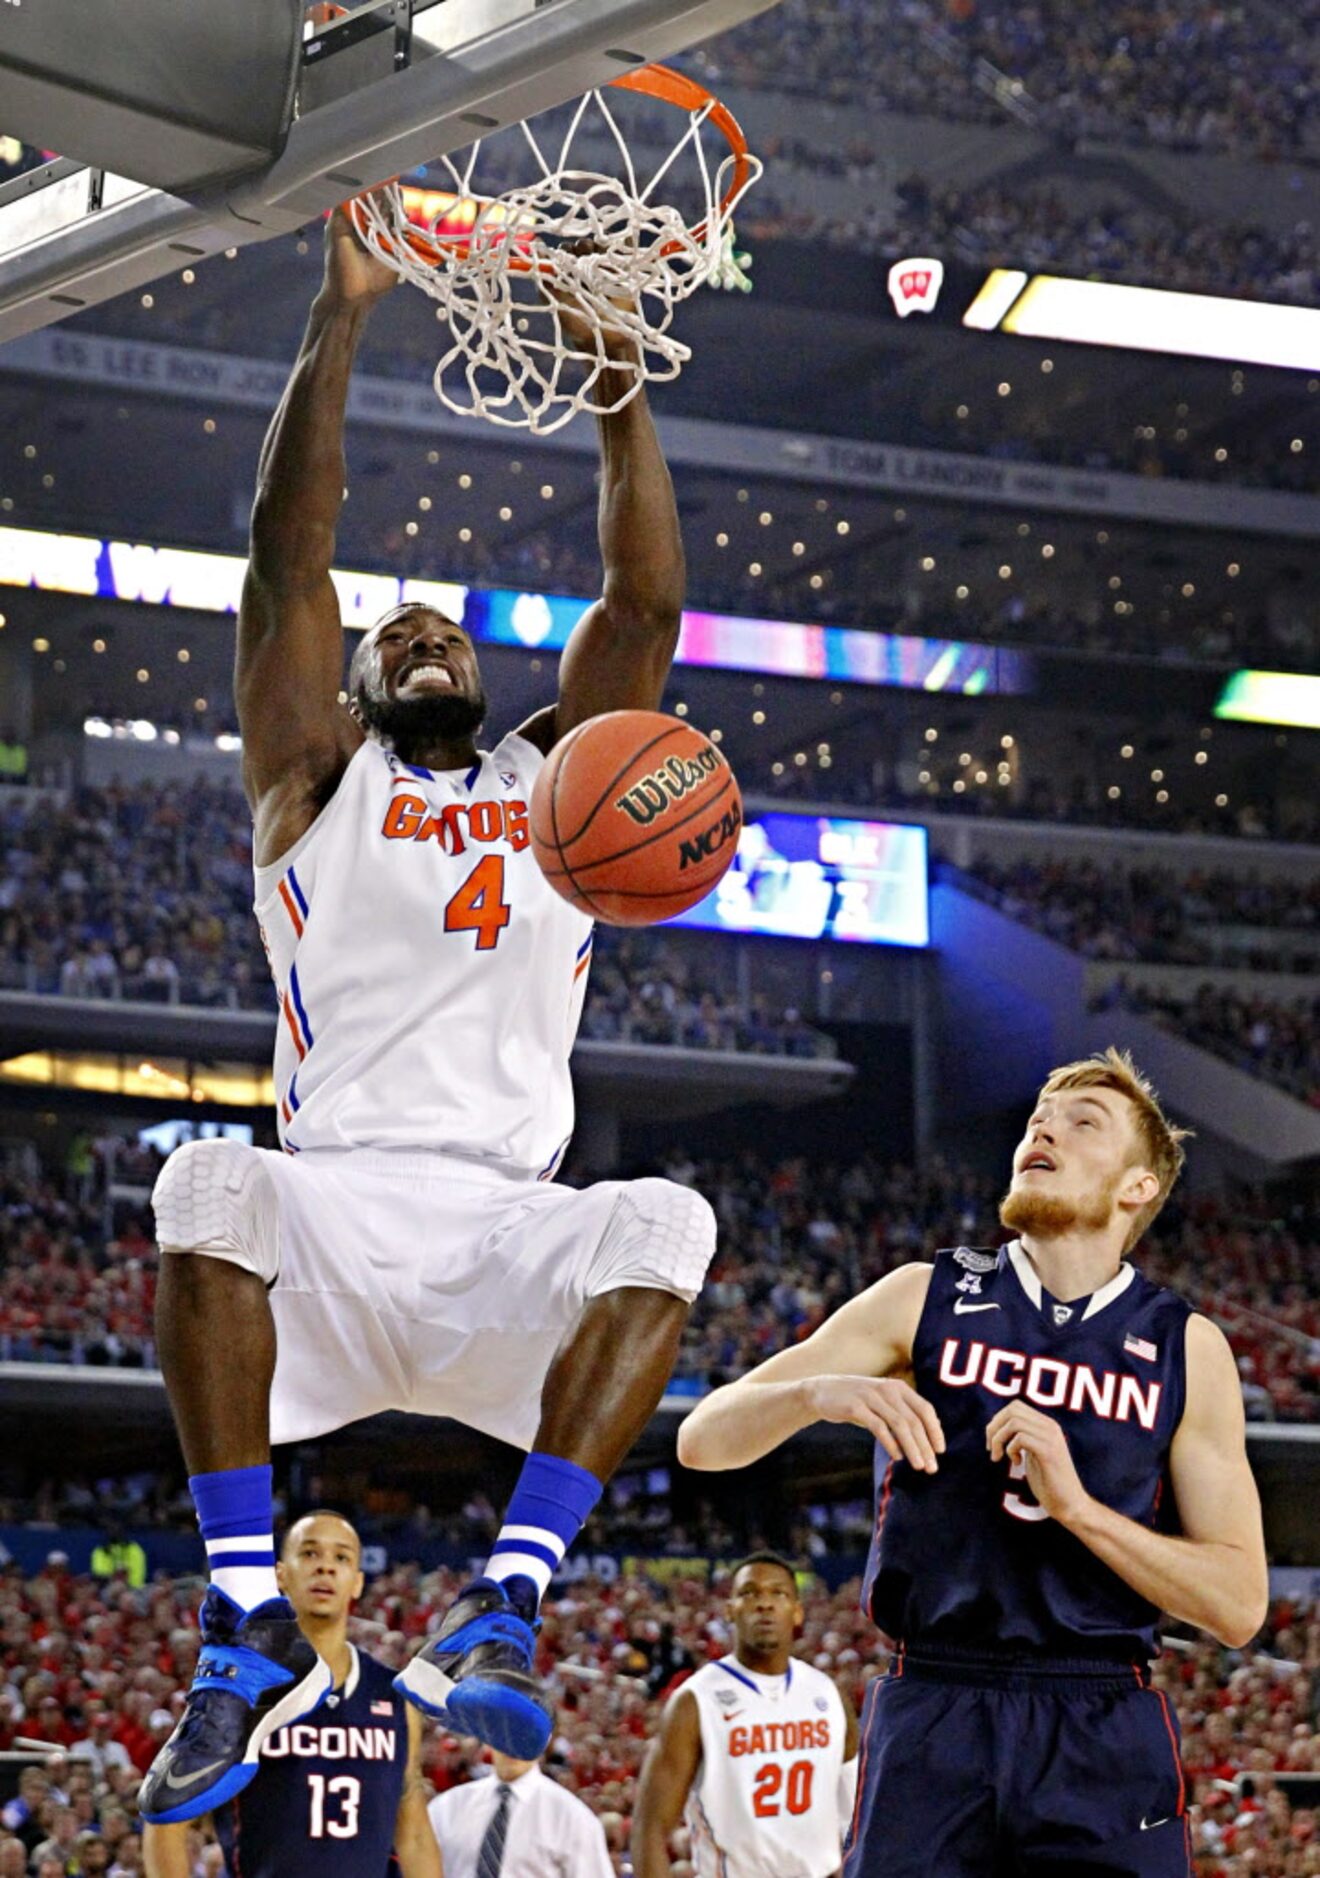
column 765, row 1801
column 430, row 981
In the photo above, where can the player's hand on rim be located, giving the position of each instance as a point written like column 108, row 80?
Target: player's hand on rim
column 353, row 275
column 580, row 323
column 1023, row 1433
column 903, row 1422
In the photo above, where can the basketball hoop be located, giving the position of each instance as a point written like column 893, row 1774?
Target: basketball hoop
column 506, row 265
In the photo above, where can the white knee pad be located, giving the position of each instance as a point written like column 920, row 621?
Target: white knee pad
column 217, row 1197
column 661, row 1236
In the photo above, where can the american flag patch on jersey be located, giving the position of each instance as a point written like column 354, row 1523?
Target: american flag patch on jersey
column 382, row 1708
column 1138, row 1346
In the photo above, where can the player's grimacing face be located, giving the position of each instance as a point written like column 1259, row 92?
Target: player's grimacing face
column 1079, row 1155
column 764, row 1608
column 416, row 676
column 320, row 1569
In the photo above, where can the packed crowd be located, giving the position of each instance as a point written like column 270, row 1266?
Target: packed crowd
column 1044, row 792
column 1199, row 76
column 1161, row 915
column 794, row 1243
column 1046, row 227
column 644, row 990
column 146, row 893
column 1273, row 1038
column 94, row 1675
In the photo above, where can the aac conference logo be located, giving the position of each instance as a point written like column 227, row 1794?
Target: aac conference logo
column 914, row 285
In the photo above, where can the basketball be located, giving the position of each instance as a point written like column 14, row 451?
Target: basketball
column 635, row 817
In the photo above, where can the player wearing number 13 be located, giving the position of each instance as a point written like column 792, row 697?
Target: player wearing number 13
column 340, row 1795
column 407, row 1250
column 1060, row 1456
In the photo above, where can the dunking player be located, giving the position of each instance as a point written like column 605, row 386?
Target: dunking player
column 759, row 1749
column 1060, row 1457
column 407, row 1249
column 337, row 1795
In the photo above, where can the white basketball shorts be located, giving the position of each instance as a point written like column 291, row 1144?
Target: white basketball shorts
column 420, row 1282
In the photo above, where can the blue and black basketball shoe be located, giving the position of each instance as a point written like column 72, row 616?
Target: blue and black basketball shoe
column 255, row 1673
column 475, row 1675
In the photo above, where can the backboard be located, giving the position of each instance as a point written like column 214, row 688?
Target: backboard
column 382, row 89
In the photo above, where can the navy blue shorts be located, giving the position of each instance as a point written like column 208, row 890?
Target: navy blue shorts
column 975, row 1771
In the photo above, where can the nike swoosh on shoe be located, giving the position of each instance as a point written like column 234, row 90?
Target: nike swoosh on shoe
column 190, row 1780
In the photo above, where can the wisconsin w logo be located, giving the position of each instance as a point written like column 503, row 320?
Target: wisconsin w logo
column 659, row 791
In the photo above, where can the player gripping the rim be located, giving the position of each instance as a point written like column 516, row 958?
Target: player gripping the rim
column 406, row 1249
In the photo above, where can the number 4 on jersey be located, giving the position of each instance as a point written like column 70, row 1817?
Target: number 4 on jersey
column 479, row 905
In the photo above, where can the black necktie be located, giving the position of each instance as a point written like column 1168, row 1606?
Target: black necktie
column 491, row 1856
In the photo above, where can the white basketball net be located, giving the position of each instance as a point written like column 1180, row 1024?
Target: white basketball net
column 573, row 242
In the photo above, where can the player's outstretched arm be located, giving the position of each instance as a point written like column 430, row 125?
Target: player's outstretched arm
column 165, row 1851
column 297, row 737
column 620, row 651
column 1215, row 1573
column 415, row 1845
column 844, row 1372
column 667, row 1775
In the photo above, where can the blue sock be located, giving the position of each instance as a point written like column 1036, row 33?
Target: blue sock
column 551, row 1503
column 235, row 1515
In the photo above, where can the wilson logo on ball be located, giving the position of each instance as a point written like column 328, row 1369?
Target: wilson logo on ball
column 635, row 817
column 667, row 785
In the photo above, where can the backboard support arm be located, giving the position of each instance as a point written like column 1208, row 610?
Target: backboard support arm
column 475, row 65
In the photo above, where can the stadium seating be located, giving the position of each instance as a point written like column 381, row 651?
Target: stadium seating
column 76, row 1647
column 794, row 1244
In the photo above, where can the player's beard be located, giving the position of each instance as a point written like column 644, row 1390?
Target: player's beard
column 1049, row 1216
column 417, row 723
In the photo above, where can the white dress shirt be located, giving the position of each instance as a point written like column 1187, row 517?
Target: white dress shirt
column 552, row 1834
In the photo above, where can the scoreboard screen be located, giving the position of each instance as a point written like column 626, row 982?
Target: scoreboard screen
column 817, row 877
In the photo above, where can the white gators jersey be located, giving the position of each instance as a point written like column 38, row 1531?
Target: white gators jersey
column 430, row 981
column 765, row 1802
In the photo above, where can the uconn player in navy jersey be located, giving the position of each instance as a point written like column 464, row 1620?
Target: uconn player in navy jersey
column 408, row 1248
column 339, row 1795
column 1061, row 1457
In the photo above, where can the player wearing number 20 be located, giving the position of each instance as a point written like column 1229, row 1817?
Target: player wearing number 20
column 758, row 1749
column 1060, row 1457
column 408, row 1249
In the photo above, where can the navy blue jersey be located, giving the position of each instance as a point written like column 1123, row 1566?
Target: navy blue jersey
column 324, row 1801
column 966, row 1558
